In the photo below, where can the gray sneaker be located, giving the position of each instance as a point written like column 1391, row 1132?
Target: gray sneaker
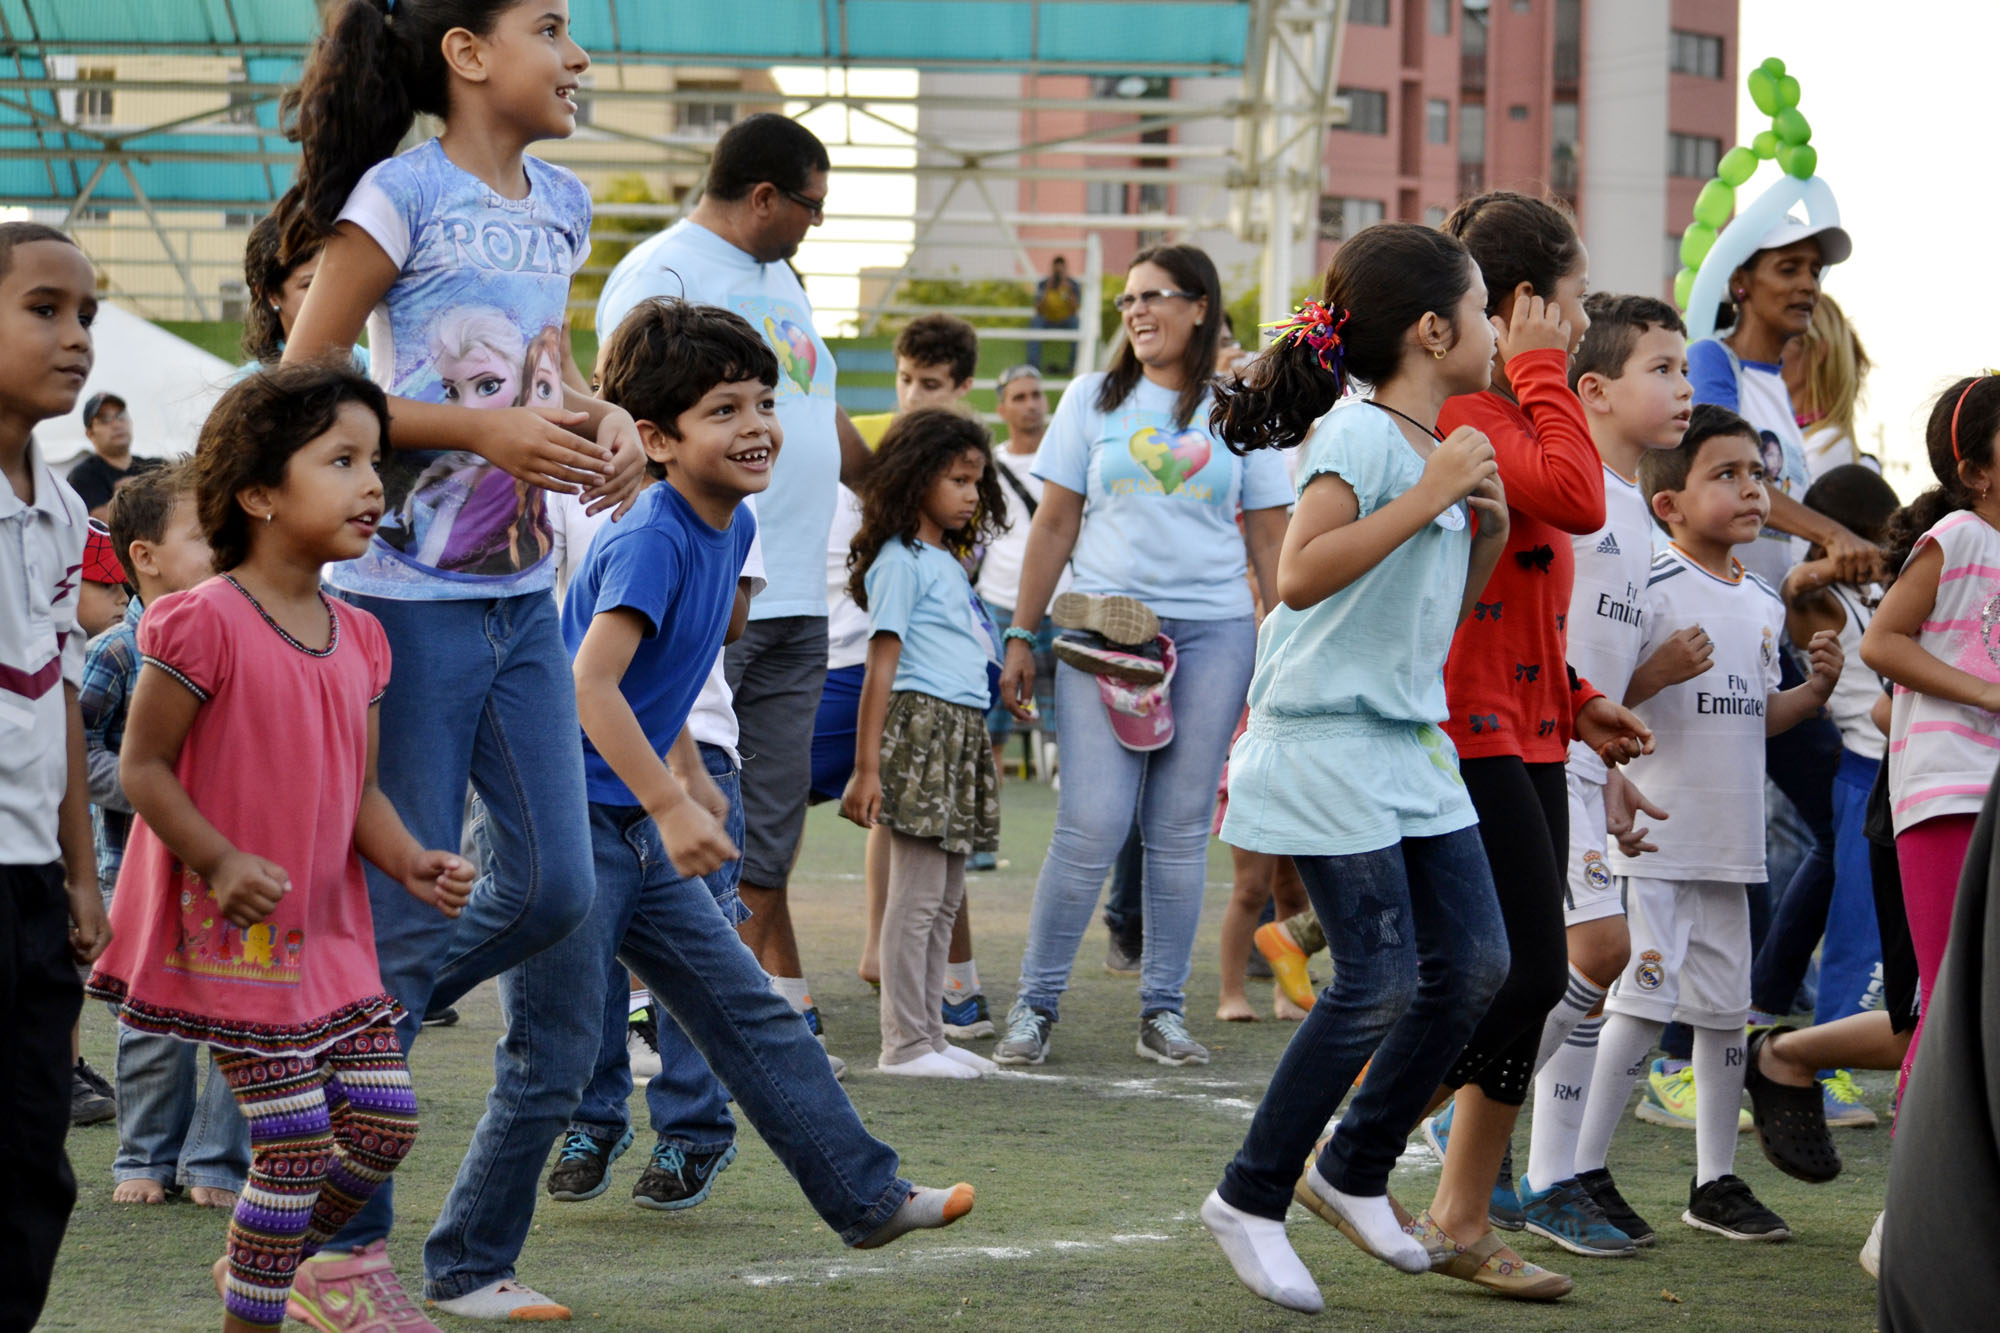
column 1027, row 1039
column 1122, row 956
column 1163, row 1037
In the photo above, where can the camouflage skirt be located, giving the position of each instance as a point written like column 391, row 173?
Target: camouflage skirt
column 938, row 779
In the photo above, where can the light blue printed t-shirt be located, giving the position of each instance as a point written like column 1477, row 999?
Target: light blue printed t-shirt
column 1344, row 754
column 691, row 262
column 475, row 317
column 1159, row 501
column 920, row 594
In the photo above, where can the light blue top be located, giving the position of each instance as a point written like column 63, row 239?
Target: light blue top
column 252, row 366
column 920, row 594
column 691, row 262
column 1343, row 753
column 1159, row 501
column 475, row 318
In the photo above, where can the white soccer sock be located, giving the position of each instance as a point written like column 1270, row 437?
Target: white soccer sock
column 1622, row 1047
column 637, row 1000
column 1578, row 1001
column 1375, row 1222
column 1718, row 1087
column 793, row 991
column 1561, row 1090
column 972, row 1060
column 961, row 981
column 928, row 1065
column 1263, row 1258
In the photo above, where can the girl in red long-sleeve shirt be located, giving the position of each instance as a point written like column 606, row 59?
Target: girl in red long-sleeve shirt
column 1515, row 704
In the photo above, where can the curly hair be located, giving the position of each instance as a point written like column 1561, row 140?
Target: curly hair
column 915, row 452
column 251, row 435
column 1963, row 423
column 265, row 273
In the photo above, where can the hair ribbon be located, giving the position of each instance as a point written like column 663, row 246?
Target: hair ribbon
column 1318, row 328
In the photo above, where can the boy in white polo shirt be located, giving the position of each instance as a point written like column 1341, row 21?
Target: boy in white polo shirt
column 1687, row 903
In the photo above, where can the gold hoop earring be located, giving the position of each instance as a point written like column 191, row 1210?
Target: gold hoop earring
column 1437, row 353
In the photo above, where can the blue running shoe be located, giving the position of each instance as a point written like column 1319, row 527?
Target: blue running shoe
column 1566, row 1214
column 1437, row 1130
column 676, row 1179
column 968, row 1018
column 580, row 1173
column 1503, row 1209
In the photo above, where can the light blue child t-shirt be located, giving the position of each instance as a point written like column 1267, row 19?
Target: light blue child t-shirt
column 1159, row 500
column 920, row 594
column 475, row 317
column 1343, row 753
column 690, row 262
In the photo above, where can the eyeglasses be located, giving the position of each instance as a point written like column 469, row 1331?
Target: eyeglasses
column 1133, row 300
column 816, row 207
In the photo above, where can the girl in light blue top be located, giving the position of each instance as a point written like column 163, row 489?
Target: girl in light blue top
column 1344, row 767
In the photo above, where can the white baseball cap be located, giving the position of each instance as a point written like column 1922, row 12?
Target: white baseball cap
column 1834, row 242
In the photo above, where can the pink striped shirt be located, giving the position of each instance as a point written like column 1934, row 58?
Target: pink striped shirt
column 1942, row 755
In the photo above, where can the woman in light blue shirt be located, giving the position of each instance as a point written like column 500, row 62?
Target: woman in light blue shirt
column 1141, row 498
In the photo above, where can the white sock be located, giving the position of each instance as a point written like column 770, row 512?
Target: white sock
column 970, row 1059
column 1582, row 996
column 961, row 981
column 794, row 992
column 1375, row 1221
column 1622, row 1047
column 1560, row 1092
column 929, row 1065
column 1718, row 1085
column 923, row 1210
column 637, row 1000
column 1263, row 1258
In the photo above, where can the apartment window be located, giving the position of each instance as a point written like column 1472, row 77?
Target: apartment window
column 1104, row 197
column 94, row 106
column 706, row 118
column 1524, row 6
column 1367, row 110
column 1437, row 121
column 1340, row 218
column 1695, row 53
column 235, row 299
column 1441, row 17
column 1673, row 255
column 1563, row 127
column 1518, row 111
column 1434, row 216
column 1472, row 132
column 238, row 220
column 1692, row 155
column 1374, row 13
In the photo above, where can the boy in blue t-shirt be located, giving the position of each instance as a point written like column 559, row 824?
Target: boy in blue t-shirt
column 644, row 618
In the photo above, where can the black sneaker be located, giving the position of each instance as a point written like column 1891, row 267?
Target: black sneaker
column 441, row 1018
column 1504, row 1209
column 676, row 1179
column 1599, row 1186
column 88, row 1106
column 1726, row 1206
column 95, row 1079
column 580, row 1173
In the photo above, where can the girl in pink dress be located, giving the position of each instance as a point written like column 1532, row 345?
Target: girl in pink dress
column 250, row 760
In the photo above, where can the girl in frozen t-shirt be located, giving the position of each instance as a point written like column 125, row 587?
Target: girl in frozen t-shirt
column 482, row 694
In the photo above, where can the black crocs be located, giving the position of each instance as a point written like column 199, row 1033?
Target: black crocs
column 1791, row 1122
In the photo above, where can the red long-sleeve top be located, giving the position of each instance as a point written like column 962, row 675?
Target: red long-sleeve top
column 1507, row 678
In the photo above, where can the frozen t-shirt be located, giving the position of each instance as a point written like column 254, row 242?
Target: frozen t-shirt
column 1159, row 500
column 665, row 562
column 691, row 262
column 920, row 594
column 475, row 317
column 1758, row 394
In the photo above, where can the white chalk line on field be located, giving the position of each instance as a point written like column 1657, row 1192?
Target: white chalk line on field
column 957, row 1254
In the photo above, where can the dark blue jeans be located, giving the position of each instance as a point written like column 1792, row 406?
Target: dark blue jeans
column 1801, row 762
column 1418, row 950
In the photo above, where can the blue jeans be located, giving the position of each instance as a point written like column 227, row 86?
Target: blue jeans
column 1850, row 961
column 671, row 932
column 1172, row 789
column 168, row 1133
column 481, row 694
column 1418, row 949
column 690, row 1110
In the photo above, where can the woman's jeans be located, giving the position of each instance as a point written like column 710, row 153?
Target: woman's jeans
column 480, row 693
column 1418, row 950
column 1172, row 789
column 175, row 1126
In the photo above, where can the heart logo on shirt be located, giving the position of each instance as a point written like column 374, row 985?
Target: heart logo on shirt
column 796, row 354
column 1170, row 458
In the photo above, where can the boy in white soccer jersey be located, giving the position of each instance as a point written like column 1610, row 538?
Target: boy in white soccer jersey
column 1630, row 373
column 1687, row 903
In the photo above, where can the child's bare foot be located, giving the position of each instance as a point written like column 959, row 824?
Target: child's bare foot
column 207, row 1196
column 221, row 1274
column 139, row 1189
column 1283, row 1009
column 1235, row 1009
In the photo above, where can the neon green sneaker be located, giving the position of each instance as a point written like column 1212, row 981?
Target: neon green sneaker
column 1844, row 1107
column 1669, row 1099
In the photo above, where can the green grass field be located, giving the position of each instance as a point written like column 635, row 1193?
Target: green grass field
column 1089, row 1173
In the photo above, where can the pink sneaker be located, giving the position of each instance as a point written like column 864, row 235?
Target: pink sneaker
column 356, row 1292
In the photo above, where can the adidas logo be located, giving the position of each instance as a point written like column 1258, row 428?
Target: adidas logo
column 1609, row 546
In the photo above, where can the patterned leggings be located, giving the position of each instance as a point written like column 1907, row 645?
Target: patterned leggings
column 325, row 1130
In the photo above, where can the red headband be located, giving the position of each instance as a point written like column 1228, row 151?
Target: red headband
column 1957, row 456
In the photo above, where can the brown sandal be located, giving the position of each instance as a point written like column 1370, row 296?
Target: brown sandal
column 1483, row 1264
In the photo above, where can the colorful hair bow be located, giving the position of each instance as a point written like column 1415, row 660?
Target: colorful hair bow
column 1317, row 327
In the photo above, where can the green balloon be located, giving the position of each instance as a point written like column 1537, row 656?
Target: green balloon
column 1774, row 67
column 1799, row 159
column 1791, row 126
column 1737, row 166
column 1695, row 243
column 1765, row 145
column 1683, row 287
column 1714, row 204
column 1764, row 92
column 1788, row 91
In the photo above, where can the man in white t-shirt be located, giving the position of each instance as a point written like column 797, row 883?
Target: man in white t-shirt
column 766, row 189
column 1023, row 407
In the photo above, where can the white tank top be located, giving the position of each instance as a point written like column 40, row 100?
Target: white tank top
column 1852, row 702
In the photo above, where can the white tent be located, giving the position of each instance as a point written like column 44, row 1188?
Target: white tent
column 168, row 385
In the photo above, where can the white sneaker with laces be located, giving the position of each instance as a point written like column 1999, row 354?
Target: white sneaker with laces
column 645, row 1061
column 505, row 1299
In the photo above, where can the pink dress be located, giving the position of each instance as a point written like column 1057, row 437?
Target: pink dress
column 275, row 760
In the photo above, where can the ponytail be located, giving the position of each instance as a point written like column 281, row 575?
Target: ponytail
column 1963, row 423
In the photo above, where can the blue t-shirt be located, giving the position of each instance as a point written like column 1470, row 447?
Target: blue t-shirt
column 920, row 594
column 665, row 562
column 1159, row 501
column 475, row 317
column 691, row 262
